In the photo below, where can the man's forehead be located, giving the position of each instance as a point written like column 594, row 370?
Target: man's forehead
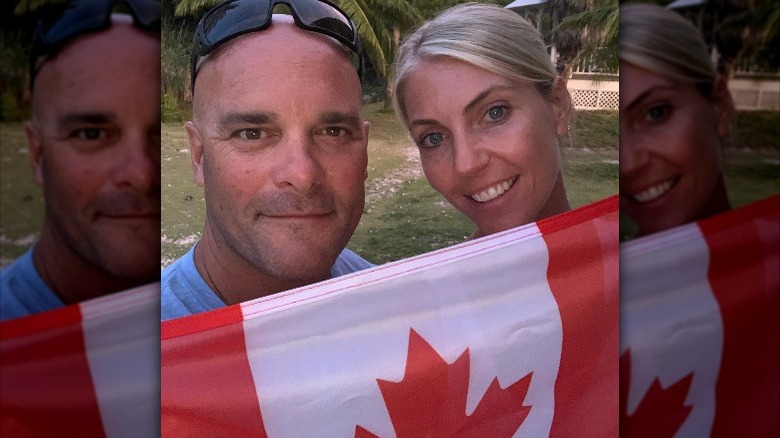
column 284, row 38
column 122, row 39
column 90, row 70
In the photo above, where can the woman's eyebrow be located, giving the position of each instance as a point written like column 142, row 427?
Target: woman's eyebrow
column 644, row 95
column 481, row 96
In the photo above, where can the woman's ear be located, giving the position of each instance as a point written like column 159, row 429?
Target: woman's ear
column 562, row 109
column 723, row 105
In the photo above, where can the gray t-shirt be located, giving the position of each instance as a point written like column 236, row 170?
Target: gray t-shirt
column 184, row 292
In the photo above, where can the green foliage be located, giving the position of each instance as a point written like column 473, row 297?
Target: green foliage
column 598, row 27
column 757, row 130
column 375, row 20
column 176, row 46
column 9, row 108
column 169, row 109
column 596, row 129
column 13, row 75
column 28, row 6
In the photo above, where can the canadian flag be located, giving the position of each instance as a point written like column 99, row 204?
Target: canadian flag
column 514, row 334
column 86, row 370
column 700, row 327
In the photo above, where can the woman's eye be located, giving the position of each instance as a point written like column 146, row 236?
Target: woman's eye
column 250, row 134
column 657, row 113
column 496, row 113
column 432, row 140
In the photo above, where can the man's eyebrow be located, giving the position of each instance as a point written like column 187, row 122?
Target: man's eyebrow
column 642, row 96
column 90, row 118
column 336, row 117
column 475, row 101
column 253, row 118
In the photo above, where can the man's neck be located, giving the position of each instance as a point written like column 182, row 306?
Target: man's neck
column 72, row 278
column 233, row 278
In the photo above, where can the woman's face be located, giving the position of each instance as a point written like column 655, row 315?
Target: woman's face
column 670, row 161
column 487, row 143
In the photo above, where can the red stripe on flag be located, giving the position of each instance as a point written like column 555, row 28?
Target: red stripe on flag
column 39, row 322
column 582, row 274
column 206, row 382
column 47, row 387
column 744, row 278
column 200, row 322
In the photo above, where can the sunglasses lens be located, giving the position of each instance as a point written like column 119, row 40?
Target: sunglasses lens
column 234, row 18
column 323, row 16
column 148, row 13
column 75, row 19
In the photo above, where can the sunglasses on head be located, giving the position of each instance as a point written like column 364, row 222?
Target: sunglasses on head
column 238, row 17
column 65, row 21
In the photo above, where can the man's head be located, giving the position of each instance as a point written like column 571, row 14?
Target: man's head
column 279, row 145
column 94, row 142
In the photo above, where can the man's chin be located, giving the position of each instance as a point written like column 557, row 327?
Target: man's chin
column 133, row 257
column 301, row 266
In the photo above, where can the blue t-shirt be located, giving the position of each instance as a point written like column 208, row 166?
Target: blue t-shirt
column 184, row 292
column 22, row 290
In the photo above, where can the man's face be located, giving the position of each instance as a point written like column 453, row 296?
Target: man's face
column 95, row 148
column 279, row 145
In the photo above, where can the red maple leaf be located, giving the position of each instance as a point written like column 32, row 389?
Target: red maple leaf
column 662, row 410
column 430, row 400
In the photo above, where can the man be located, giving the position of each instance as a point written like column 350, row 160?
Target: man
column 94, row 147
column 279, row 145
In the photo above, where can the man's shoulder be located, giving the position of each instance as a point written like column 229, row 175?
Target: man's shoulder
column 23, row 291
column 183, row 291
column 349, row 262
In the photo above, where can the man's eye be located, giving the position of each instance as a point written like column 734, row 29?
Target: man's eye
column 495, row 113
column 657, row 113
column 334, row 131
column 432, row 140
column 90, row 134
column 250, row 134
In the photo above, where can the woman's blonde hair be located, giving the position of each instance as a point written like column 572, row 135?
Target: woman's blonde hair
column 487, row 36
column 663, row 42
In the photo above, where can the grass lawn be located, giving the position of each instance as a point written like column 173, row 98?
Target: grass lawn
column 403, row 215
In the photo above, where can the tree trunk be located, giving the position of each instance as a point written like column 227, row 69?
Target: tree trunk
column 390, row 90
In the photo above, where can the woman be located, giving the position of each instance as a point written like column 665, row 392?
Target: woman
column 674, row 112
column 477, row 90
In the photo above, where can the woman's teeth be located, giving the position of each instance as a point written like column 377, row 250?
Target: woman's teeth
column 495, row 191
column 654, row 192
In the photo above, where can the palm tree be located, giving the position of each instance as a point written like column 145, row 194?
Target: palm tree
column 598, row 30
column 742, row 30
column 378, row 23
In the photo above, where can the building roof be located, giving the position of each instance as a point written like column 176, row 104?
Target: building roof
column 520, row 4
column 679, row 4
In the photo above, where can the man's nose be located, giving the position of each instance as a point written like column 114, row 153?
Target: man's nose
column 138, row 162
column 298, row 166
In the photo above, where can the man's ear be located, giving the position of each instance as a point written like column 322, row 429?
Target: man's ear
column 562, row 109
column 366, row 128
column 35, row 152
column 196, row 151
column 723, row 105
